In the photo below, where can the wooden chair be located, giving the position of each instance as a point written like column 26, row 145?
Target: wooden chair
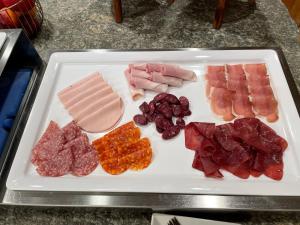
column 219, row 14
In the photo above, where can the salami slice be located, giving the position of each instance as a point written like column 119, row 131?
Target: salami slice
column 86, row 164
column 49, row 144
column 56, row 166
column 79, row 146
column 71, row 131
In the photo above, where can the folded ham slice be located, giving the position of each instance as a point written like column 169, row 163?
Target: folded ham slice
column 176, row 71
column 136, row 93
column 142, row 83
column 156, row 77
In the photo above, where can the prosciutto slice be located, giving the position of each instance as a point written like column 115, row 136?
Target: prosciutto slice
column 221, row 103
column 263, row 99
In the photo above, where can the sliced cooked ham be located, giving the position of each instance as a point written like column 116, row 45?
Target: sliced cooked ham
column 176, row 71
column 156, row 77
column 90, row 97
column 141, row 66
column 172, row 81
column 143, row 83
column 136, row 93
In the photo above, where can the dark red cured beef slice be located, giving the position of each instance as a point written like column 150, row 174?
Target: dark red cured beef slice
column 49, row 144
column 225, row 137
column 210, row 168
column 274, row 166
column 241, row 171
column 268, row 133
column 71, row 131
column 79, row 146
column 197, row 164
column 193, row 139
column 224, row 134
column 269, row 164
column 86, row 164
column 206, row 129
column 196, row 133
column 57, row 166
column 248, row 129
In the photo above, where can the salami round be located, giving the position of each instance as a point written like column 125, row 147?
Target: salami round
column 57, row 166
column 71, row 131
column 86, row 164
column 49, row 145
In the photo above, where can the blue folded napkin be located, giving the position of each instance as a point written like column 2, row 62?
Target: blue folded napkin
column 12, row 99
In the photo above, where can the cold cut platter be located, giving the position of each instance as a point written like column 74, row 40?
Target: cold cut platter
column 218, row 122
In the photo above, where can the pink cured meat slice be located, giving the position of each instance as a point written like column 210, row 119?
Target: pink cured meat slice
column 156, row 77
column 216, row 69
column 216, row 77
column 141, row 66
column 258, row 69
column 50, row 143
column 172, row 81
column 142, row 83
column 136, row 93
column 217, row 83
column 139, row 73
column 238, row 85
column 57, row 166
column 71, row 131
column 261, row 91
column 242, row 105
column 81, row 85
column 153, row 67
column 86, row 164
column 235, row 70
column 176, row 71
column 221, row 103
column 254, row 81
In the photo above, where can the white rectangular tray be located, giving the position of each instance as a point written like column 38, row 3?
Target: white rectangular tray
column 171, row 170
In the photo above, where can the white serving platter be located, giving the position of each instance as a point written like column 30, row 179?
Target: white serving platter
column 163, row 219
column 170, row 170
